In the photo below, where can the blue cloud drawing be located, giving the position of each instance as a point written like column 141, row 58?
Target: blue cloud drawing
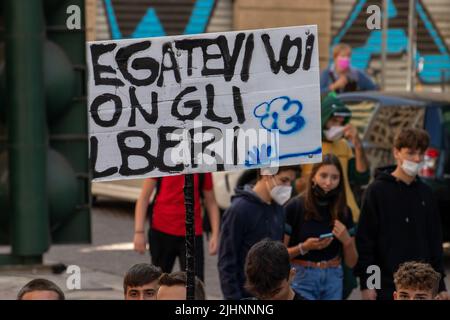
column 281, row 114
column 259, row 156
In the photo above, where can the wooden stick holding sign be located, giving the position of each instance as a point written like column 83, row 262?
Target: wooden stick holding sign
column 189, row 202
column 203, row 103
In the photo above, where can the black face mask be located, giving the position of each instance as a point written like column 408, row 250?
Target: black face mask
column 323, row 196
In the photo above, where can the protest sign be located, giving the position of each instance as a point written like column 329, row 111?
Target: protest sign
column 203, row 103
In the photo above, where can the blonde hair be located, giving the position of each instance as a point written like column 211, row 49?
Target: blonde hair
column 339, row 48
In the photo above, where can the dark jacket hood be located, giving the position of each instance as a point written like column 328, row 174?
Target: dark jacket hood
column 385, row 174
column 248, row 193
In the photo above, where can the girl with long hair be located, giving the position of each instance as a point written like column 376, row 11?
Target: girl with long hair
column 317, row 233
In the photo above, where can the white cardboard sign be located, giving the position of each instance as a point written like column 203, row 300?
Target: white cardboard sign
column 203, row 103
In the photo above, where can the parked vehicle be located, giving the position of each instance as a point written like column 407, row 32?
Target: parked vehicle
column 125, row 190
column 378, row 117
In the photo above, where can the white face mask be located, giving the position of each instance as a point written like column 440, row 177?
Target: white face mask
column 281, row 194
column 334, row 133
column 411, row 168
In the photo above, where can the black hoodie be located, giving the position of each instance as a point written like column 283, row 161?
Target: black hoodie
column 398, row 223
column 247, row 221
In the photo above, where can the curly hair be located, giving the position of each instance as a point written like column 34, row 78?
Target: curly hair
column 417, row 275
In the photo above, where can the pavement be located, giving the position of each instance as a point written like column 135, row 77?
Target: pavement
column 95, row 285
column 104, row 262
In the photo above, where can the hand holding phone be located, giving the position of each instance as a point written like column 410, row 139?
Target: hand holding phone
column 326, row 235
column 351, row 231
column 316, row 243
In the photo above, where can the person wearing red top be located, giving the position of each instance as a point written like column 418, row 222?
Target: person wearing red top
column 167, row 228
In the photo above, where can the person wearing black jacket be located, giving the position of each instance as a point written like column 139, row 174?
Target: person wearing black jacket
column 255, row 213
column 399, row 220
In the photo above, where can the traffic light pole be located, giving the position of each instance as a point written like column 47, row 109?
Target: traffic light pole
column 25, row 34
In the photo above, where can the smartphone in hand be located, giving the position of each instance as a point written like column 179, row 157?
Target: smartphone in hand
column 352, row 232
column 326, row 235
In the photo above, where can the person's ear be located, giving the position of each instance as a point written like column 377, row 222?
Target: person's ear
column 395, row 295
column 292, row 273
column 396, row 153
